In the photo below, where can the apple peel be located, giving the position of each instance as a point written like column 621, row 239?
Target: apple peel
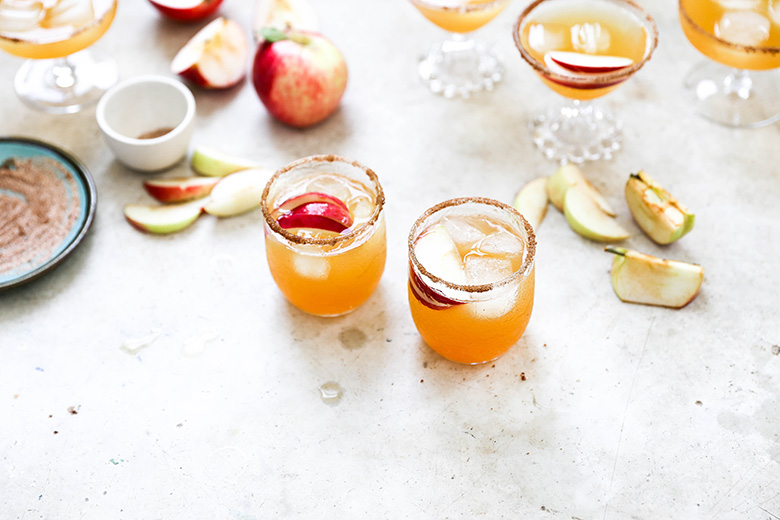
column 583, row 63
column 180, row 189
column 317, row 215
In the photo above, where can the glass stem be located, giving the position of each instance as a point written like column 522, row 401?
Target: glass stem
column 63, row 74
column 738, row 83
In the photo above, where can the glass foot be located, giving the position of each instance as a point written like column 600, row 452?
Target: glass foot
column 460, row 67
column 734, row 97
column 577, row 132
column 66, row 85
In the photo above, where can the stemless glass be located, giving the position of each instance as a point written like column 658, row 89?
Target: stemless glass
column 582, row 50
column 465, row 322
column 739, row 88
column 460, row 65
column 322, row 272
column 60, row 76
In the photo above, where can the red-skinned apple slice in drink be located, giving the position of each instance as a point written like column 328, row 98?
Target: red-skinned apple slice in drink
column 312, row 196
column 589, row 63
column 317, row 215
column 216, row 57
column 186, row 10
column 180, row 189
column 558, row 70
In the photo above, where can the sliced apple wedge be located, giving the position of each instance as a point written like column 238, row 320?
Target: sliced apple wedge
column 216, row 57
column 641, row 278
column 437, row 252
column 589, row 63
column 567, row 176
column 661, row 216
column 213, row 163
column 237, row 193
column 162, row 220
column 180, row 189
column 284, row 14
column 531, row 201
column 588, row 219
column 305, row 198
column 317, row 215
column 186, row 10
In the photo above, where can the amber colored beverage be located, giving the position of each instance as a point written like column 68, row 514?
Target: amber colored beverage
column 744, row 34
column 55, row 33
column 471, row 278
column 460, row 16
column 324, row 272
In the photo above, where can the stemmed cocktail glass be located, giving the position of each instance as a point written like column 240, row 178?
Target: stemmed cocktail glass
column 583, row 49
column 742, row 37
column 460, row 65
column 60, row 76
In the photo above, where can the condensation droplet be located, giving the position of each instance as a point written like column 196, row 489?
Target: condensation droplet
column 134, row 345
column 331, row 393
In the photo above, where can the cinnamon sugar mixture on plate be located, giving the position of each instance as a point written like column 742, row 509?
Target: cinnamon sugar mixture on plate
column 39, row 204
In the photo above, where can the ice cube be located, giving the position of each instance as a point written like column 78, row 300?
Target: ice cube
column 330, row 184
column 315, row 267
column 438, row 254
column 361, row 208
column 19, row 16
column 740, row 5
column 589, row 38
column 773, row 10
column 743, row 28
column 501, row 244
column 497, row 305
column 546, row 38
column 482, row 269
column 463, row 233
column 74, row 13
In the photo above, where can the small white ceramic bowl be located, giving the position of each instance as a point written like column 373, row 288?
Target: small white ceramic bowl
column 134, row 112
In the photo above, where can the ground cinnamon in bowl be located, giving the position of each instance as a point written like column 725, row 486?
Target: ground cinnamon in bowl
column 39, row 205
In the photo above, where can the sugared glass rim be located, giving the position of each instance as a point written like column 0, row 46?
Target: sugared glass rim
column 521, row 273
column 744, row 48
column 353, row 234
column 605, row 78
column 468, row 7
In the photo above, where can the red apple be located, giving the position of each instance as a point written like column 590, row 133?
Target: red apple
column 589, row 63
column 180, row 189
column 300, row 76
column 186, row 10
column 216, row 57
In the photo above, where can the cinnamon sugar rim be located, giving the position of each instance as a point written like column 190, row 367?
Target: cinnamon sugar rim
column 468, row 7
column 522, row 272
column 744, row 48
column 605, row 78
column 354, row 233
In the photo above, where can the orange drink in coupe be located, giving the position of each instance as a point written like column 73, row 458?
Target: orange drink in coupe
column 471, row 278
column 325, row 233
column 59, row 76
column 460, row 65
column 582, row 50
column 739, row 36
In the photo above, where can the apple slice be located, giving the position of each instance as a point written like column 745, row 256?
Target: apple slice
column 186, row 10
column 586, row 217
column 213, row 163
column 162, row 220
column 641, row 278
column 531, row 201
column 437, row 252
column 589, row 63
column 567, row 176
column 283, row 15
column 317, row 215
column 216, row 57
column 312, row 196
column 661, row 216
column 237, row 193
column 180, row 189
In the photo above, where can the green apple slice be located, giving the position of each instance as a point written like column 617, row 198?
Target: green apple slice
column 567, row 176
column 587, row 218
column 661, row 216
column 237, row 193
column 213, row 163
column 641, row 278
column 162, row 220
column 531, row 201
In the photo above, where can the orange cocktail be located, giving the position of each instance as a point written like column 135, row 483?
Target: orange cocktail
column 471, row 278
column 460, row 16
column 325, row 233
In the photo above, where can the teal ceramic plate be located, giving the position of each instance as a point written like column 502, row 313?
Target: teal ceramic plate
column 26, row 250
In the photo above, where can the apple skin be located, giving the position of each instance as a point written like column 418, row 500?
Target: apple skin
column 317, row 215
column 180, row 189
column 299, row 79
column 191, row 14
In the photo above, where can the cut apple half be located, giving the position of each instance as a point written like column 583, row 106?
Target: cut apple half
column 531, row 201
column 237, row 193
column 641, row 278
column 567, row 176
column 213, row 163
column 162, row 220
column 216, row 57
column 588, row 63
column 660, row 215
column 186, row 10
column 283, row 15
column 588, row 219
column 180, row 189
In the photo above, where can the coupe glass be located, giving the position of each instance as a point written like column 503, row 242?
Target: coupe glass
column 739, row 88
column 460, row 65
column 60, row 76
column 582, row 50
